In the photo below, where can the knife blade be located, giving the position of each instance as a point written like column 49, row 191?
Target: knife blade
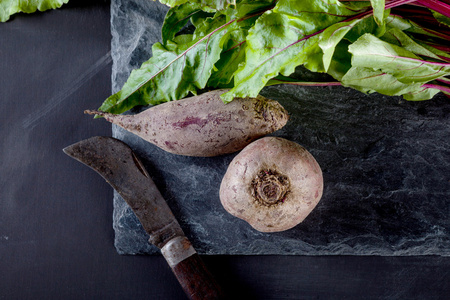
column 116, row 162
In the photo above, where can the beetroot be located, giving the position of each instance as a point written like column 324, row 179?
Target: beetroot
column 203, row 125
column 272, row 184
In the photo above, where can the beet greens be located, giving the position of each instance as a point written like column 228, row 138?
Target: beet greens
column 11, row 7
column 396, row 48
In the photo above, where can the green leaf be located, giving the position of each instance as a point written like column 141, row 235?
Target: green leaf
column 401, row 39
column 334, row 43
column 412, row 27
column 369, row 80
column 395, row 21
column 173, row 3
column 378, row 11
column 173, row 71
column 331, row 37
column 443, row 55
column 341, row 61
column 441, row 18
column 251, row 7
column 394, row 68
column 371, row 52
column 10, row 7
column 283, row 39
column 232, row 56
column 206, row 25
column 176, row 18
column 214, row 4
column 315, row 13
column 272, row 47
column 420, row 95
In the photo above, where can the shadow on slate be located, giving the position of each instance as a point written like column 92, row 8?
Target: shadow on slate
column 385, row 161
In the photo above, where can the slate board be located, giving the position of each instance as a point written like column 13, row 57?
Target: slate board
column 385, row 161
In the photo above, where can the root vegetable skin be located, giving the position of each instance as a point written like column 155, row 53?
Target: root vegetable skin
column 203, row 125
column 273, row 184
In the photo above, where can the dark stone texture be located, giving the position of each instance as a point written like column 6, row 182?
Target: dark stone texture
column 386, row 166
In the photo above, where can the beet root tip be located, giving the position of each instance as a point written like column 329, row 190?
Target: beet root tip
column 93, row 112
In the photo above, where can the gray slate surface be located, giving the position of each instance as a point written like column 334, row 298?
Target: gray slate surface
column 386, row 166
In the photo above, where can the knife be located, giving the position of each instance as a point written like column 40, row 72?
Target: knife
column 116, row 162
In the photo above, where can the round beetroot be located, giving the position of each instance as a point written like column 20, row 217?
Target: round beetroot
column 272, row 184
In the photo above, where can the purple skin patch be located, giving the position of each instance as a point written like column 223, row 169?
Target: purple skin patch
column 201, row 122
column 190, row 121
column 171, row 145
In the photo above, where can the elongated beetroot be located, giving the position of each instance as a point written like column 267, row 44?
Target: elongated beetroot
column 203, row 125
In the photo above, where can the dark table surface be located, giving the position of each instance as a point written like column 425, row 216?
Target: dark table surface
column 56, row 235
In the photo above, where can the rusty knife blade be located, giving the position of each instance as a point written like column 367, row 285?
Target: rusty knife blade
column 116, row 162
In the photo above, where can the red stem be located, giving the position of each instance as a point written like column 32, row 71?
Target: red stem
column 436, row 5
column 438, row 87
column 304, row 83
column 444, row 80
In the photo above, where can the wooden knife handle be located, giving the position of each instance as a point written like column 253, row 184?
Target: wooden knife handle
column 195, row 279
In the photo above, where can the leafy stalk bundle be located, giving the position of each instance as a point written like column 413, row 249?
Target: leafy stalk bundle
column 393, row 47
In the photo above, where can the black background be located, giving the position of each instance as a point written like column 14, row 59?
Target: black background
column 56, row 235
